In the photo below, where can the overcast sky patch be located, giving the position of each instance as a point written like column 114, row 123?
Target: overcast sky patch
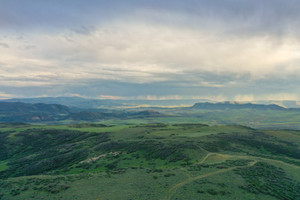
column 142, row 48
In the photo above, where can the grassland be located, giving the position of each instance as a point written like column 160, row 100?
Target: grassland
column 148, row 161
column 259, row 119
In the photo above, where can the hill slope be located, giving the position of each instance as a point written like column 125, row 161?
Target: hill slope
column 148, row 161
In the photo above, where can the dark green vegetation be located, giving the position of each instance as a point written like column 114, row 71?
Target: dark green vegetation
column 148, row 161
column 267, row 179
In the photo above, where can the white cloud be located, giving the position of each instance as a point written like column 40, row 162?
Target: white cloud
column 244, row 98
column 267, row 97
column 3, row 45
column 5, row 95
column 142, row 53
column 281, row 97
column 215, row 98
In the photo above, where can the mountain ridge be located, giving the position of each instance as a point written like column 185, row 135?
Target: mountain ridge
column 237, row 105
column 20, row 107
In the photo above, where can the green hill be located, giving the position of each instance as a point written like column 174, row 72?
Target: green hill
column 148, row 161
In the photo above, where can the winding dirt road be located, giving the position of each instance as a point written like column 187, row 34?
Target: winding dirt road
column 175, row 187
column 256, row 159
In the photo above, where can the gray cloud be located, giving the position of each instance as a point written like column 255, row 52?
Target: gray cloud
column 4, row 45
column 139, row 48
column 236, row 16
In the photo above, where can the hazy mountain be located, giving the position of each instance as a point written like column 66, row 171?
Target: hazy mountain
column 236, row 105
column 20, row 107
column 93, row 116
column 25, row 112
column 103, row 103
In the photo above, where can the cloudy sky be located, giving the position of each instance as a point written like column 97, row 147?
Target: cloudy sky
column 151, row 49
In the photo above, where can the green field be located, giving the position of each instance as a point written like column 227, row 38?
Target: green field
column 148, row 161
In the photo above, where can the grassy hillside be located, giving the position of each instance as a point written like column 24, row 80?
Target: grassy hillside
column 148, row 161
column 255, row 118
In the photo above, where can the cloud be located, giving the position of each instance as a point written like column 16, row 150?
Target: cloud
column 4, row 45
column 244, row 98
column 142, row 53
column 155, row 97
column 280, row 97
column 235, row 16
column 267, row 97
column 165, row 97
column 217, row 49
column 5, row 95
column 114, row 97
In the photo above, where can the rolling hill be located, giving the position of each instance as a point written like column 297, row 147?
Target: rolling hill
column 148, row 161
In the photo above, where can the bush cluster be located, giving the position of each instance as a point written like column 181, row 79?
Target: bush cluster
column 263, row 178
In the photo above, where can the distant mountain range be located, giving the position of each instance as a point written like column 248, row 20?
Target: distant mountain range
column 20, row 107
column 40, row 112
column 235, row 105
column 25, row 112
column 92, row 116
column 85, row 103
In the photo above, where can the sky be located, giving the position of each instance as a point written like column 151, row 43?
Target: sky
column 241, row 50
